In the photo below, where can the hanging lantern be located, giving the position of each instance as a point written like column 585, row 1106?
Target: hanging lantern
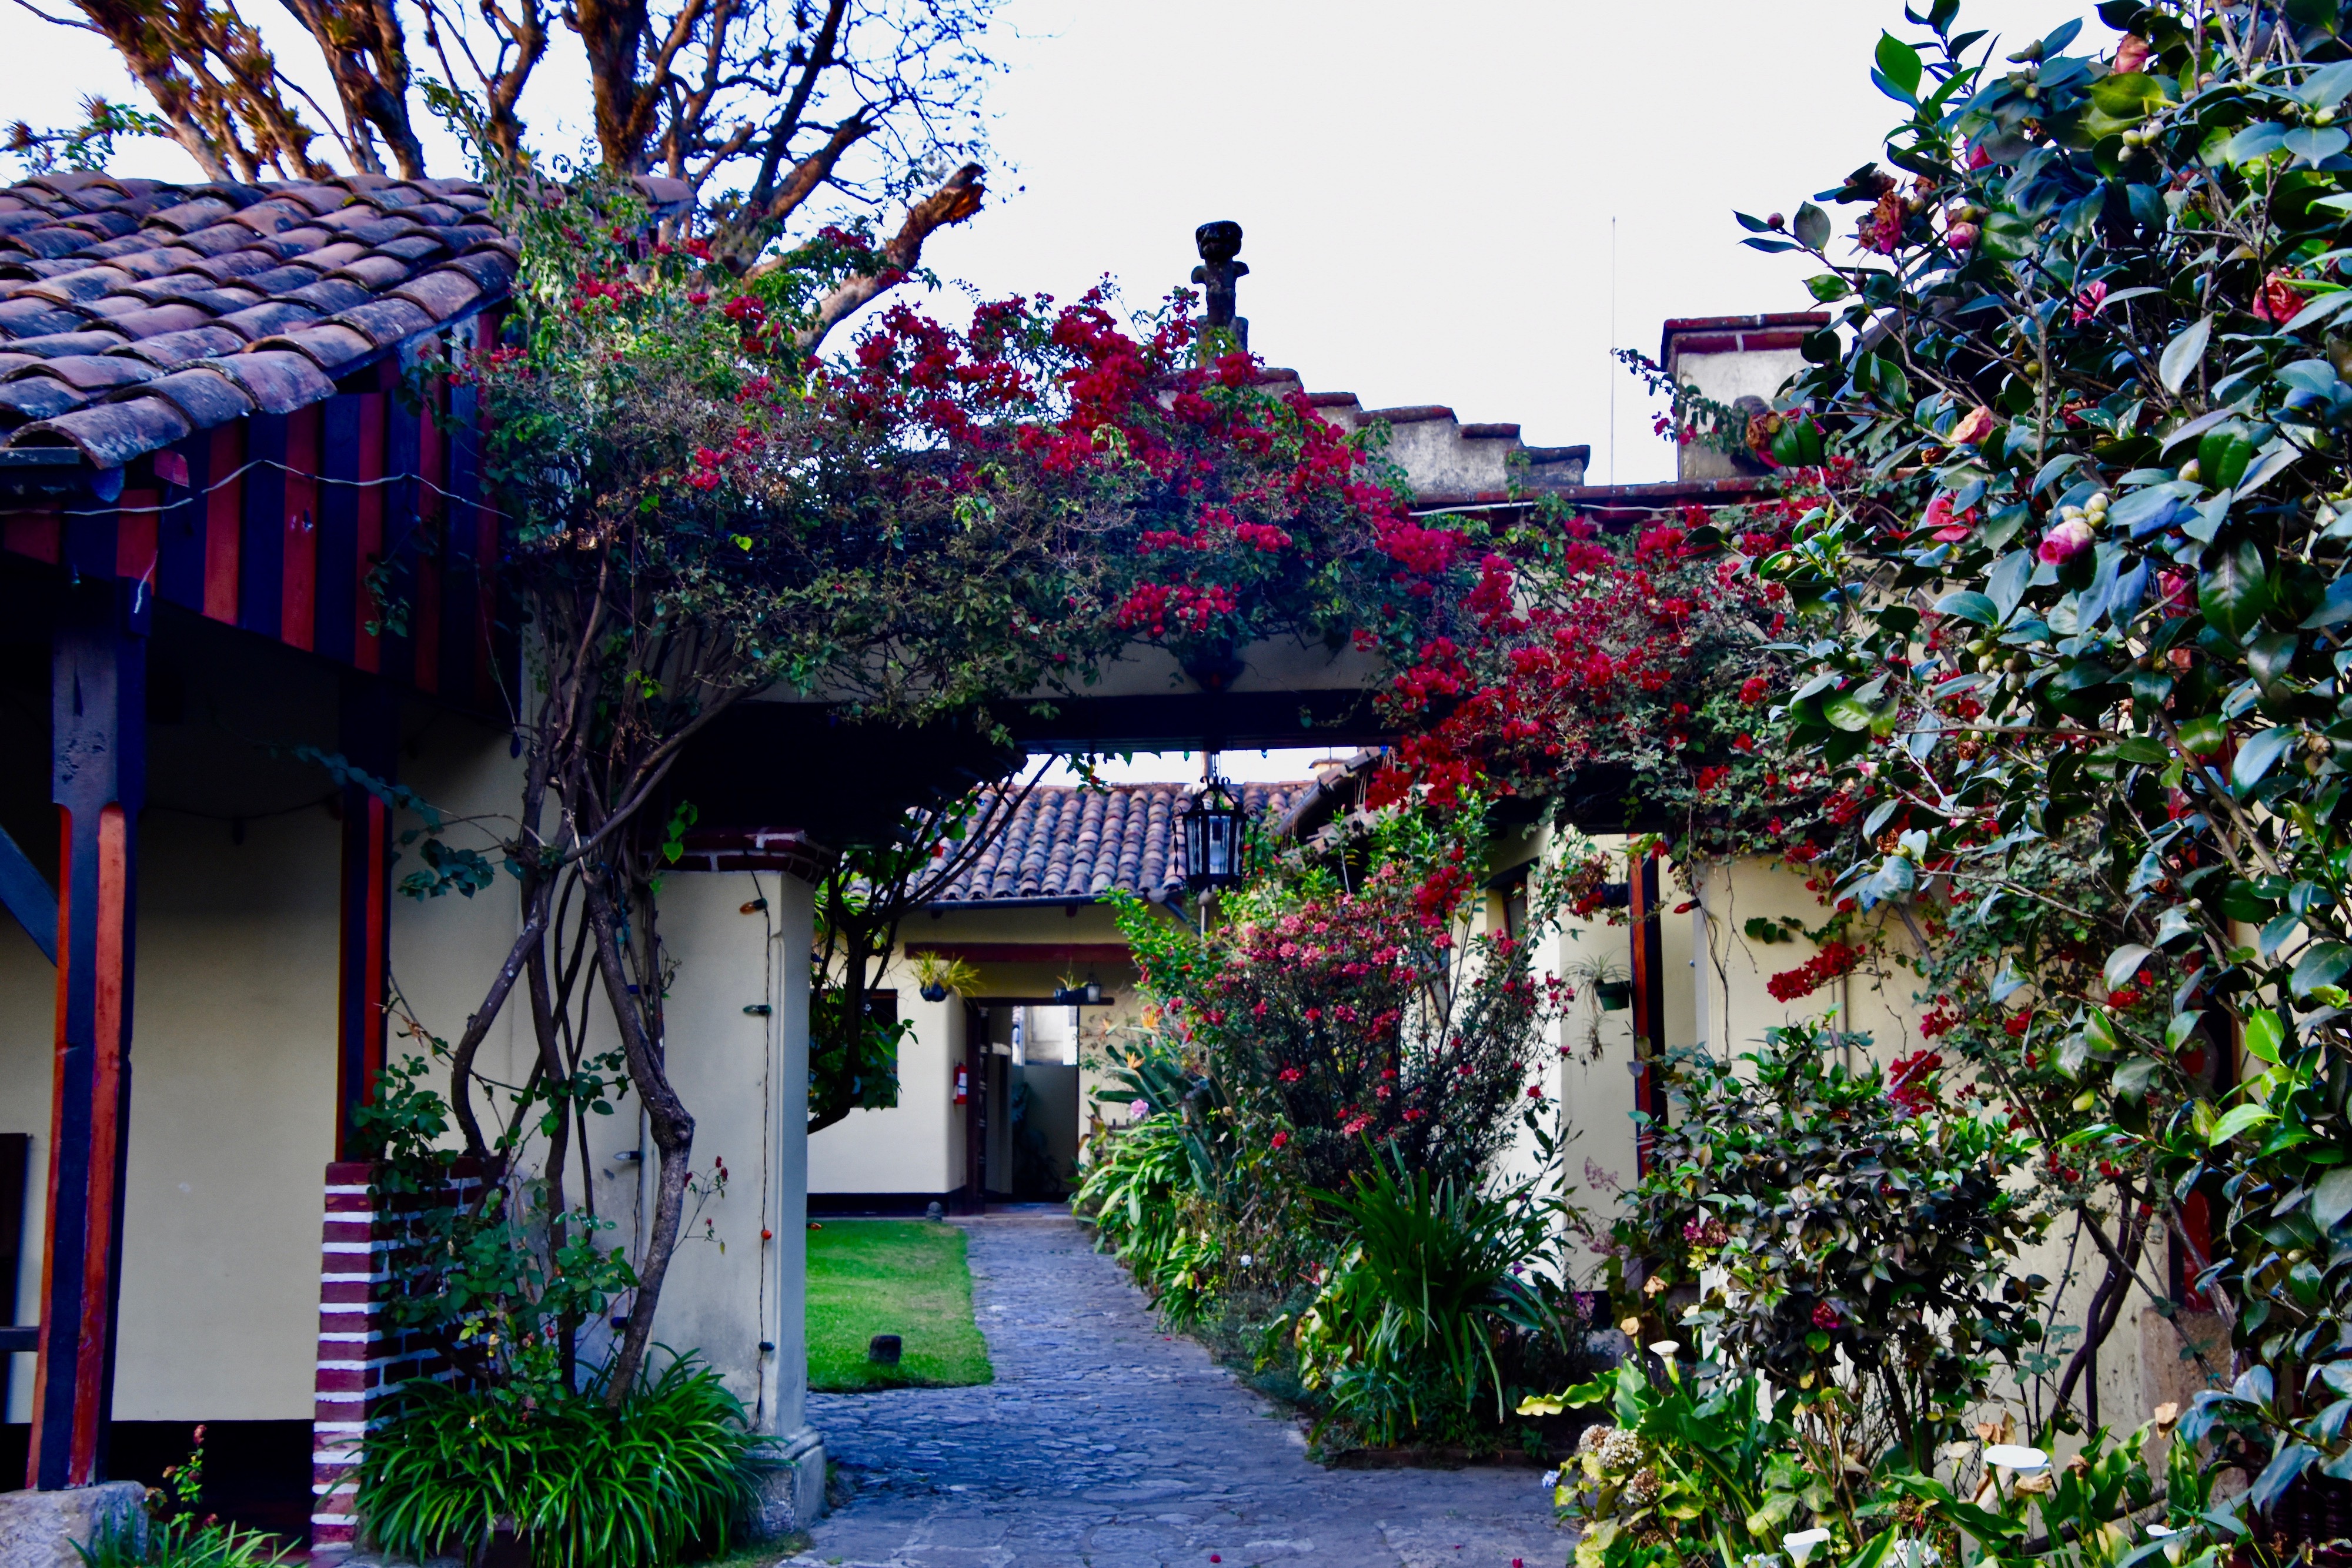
column 1214, row 824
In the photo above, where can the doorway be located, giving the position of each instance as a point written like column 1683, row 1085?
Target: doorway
column 1021, row 1107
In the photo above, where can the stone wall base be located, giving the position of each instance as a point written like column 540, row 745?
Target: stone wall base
column 39, row 1529
column 788, row 1489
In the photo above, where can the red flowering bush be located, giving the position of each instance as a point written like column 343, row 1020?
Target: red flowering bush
column 1344, row 1013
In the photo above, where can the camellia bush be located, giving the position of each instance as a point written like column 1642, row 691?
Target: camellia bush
column 2084, row 583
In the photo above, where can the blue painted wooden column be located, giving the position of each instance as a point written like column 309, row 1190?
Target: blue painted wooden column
column 98, row 774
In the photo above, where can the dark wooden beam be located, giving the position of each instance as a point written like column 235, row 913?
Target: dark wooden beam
column 370, row 739
column 27, row 895
column 1649, row 1004
column 98, row 753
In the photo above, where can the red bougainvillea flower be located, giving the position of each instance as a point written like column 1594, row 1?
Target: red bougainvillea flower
column 1974, row 428
column 2067, row 540
column 1835, row 958
column 2280, row 297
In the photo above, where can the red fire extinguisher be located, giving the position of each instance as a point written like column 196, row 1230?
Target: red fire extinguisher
column 963, row 1085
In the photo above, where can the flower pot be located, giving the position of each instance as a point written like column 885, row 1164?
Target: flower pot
column 1615, row 996
column 934, row 993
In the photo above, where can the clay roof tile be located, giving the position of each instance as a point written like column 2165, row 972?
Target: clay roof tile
column 112, row 433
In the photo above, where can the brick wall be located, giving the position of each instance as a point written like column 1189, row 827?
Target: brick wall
column 360, row 1363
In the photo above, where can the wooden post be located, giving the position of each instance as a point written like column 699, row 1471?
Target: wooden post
column 975, row 1110
column 369, row 740
column 98, row 753
column 1649, row 1002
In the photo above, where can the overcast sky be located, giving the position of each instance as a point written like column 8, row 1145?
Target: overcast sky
column 1429, row 191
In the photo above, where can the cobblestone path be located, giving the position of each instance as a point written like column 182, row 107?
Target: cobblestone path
column 1103, row 1443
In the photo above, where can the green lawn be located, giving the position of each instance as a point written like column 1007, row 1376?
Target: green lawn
column 905, row 1277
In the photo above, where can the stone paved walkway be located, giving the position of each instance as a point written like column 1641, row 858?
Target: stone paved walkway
column 1103, row 1443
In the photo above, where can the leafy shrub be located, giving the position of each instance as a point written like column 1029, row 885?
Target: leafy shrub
column 1420, row 1314
column 179, row 1534
column 1854, row 1232
column 583, row 1484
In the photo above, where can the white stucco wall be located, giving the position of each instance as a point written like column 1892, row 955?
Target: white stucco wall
column 917, row 1145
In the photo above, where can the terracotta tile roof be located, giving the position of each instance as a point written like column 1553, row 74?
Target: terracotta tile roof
column 133, row 312
column 1066, row 842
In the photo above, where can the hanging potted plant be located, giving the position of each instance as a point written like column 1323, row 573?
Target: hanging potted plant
column 936, row 976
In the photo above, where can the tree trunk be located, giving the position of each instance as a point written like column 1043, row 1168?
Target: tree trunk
column 673, row 1130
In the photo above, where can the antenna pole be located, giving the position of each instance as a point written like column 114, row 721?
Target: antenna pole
column 1612, row 347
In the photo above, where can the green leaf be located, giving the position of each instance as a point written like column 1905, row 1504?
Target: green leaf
column 1828, row 287
column 2234, row 592
column 2322, row 964
column 2259, row 754
column 2331, row 1200
column 2222, row 456
column 1969, row 605
column 2123, row 965
column 2311, row 143
column 1813, row 227
column 2325, row 88
column 2182, row 355
column 2337, row 606
column 2236, row 1122
column 2204, row 736
column 2133, row 1077
column 2264, row 1034
column 1898, row 62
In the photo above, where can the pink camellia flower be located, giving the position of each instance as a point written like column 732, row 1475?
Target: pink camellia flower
column 1978, row 158
column 2067, row 540
column 1948, row 528
column 1278, row 1140
column 2131, row 54
column 1973, row 428
column 2278, row 297
column 1961, row 237
column 2088, row 302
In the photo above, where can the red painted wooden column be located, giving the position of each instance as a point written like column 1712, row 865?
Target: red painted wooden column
column 1648, row 1003
column 369, row 740
column 97, row 754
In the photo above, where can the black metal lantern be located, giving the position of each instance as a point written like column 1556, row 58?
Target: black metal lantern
column 1214, row 824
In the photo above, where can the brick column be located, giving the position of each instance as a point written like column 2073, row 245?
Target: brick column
column 360, row 1363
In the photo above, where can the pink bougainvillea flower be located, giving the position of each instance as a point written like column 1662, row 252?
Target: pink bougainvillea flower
column 2279, row 297
column 2067, row 540
column 1974, row 428
column 2131, row 54
column 2088, row 302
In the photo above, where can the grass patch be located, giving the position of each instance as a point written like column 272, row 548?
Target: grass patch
column 905, row 1277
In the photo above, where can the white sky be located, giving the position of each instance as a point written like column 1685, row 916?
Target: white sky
column 1428, row 192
